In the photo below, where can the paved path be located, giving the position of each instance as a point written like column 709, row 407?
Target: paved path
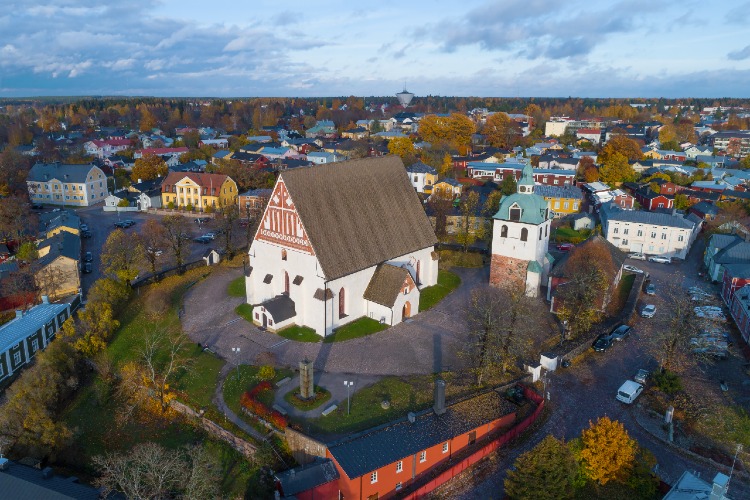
column 425, row 344
column 218, row 400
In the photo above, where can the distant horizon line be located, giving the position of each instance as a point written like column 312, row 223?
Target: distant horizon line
column 393, row 96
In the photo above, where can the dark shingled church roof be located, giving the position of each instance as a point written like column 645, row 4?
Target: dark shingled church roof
column 386, row 284
column 359, row 213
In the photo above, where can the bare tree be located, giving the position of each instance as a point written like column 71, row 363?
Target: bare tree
column 154, row 236
column 148, row 471
column 670, row 343
column 176, row 228
column 50, row 280
column 225, row 219
column 163, row 357
column 500, row 332
column 204, row 474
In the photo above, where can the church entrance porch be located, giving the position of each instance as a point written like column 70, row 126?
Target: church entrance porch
column 276, row 313
column 406, row 312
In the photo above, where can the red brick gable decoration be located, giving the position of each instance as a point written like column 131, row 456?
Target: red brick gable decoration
column 508, row 272
column 281, row 224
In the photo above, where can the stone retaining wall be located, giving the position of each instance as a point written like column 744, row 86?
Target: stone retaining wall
column 215, row 430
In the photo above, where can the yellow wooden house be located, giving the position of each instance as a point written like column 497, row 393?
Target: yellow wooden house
column 562, row 200
column 198, row 190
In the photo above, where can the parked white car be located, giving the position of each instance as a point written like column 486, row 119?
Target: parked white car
column 660, row 260
column 632, row 269
column 637, row 256
column 648, row 311
column 694, row 290
column 629, row 391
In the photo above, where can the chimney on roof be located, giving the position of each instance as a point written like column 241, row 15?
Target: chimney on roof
column 45, row 299
column 47, row 473
column 19, row 313
column 439, row 397
column 719, row 487
column 412, row 417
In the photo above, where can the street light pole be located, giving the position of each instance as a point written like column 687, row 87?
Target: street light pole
column 236, row 350
column 348, row 384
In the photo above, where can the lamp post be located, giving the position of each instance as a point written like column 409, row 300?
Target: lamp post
column 348, row 385
column 236, row 350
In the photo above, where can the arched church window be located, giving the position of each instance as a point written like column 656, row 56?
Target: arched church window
column 504, row 231
column 524, row 234
column 342, row 303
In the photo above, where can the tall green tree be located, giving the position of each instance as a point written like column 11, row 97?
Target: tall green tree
column 546, row 472
column 123, row 255
column 509, row 185
column 466, row 233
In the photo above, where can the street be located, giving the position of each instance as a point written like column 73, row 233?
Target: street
column 102, row 223
column 586, row 391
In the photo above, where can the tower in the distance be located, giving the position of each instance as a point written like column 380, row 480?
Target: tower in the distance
column 405, row 97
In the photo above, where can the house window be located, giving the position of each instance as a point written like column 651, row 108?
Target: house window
column 651, row 247
column 472, row 437
column 680, row 238
column 422, row 456
column 399, row 466
column 17, row 358
column 661, row 205
column 374, row 477
column 34, row 345
column 653, row 235
column 624, row 242
column 504, row 231
column 398, row 486
column 524, row 234
column 664, row 236
column 283, row 254
column 2, row 373
column 566, row 206
column 445, row 447
column 286, row 282
column 640, row 233
column 540, row 235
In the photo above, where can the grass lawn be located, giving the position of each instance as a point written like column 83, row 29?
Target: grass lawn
column 431, row 295
column 300, row 334
column 620, row 297
column 321, row 396
column 455, row 258
column 92, row 413
column 236, row 287
column 357, row 328
column 404, row 394
column 245, row 311
column 568, row 234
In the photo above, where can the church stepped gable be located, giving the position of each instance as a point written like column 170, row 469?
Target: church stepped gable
column 359, row 213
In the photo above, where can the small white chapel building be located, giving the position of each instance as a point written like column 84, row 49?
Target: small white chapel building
column 338, row 242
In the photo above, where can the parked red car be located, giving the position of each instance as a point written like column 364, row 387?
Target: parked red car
column 565, row 247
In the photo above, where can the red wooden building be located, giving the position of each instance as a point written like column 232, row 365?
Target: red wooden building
column 397, row 458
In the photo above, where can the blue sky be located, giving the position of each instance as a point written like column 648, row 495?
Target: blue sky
column 509, row 48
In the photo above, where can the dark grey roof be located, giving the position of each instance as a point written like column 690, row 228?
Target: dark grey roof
column 706, row 207
column 420, row 168
column 706, row 195
column 141, row 187
column 737, row 251
column 4, row 249
column 352, row 226
column 383, row 445
column 308, row 476
column 43, row 172
column 280, row 307
column 558, row 191
column 7, row 267
column 63, row 218
column 386, row 284
column 20, row 482
column 738, row 270
column 613, row 212
column 63, row 243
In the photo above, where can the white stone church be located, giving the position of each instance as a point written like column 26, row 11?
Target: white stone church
column 338, row 242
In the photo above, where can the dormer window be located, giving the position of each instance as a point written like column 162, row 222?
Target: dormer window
column 515, row 213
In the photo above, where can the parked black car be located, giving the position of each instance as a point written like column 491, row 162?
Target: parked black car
column 87, row 268
column 86, row 234
column 88, row 257
column 602, row 343
column 620, row 332
column 203, row 239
